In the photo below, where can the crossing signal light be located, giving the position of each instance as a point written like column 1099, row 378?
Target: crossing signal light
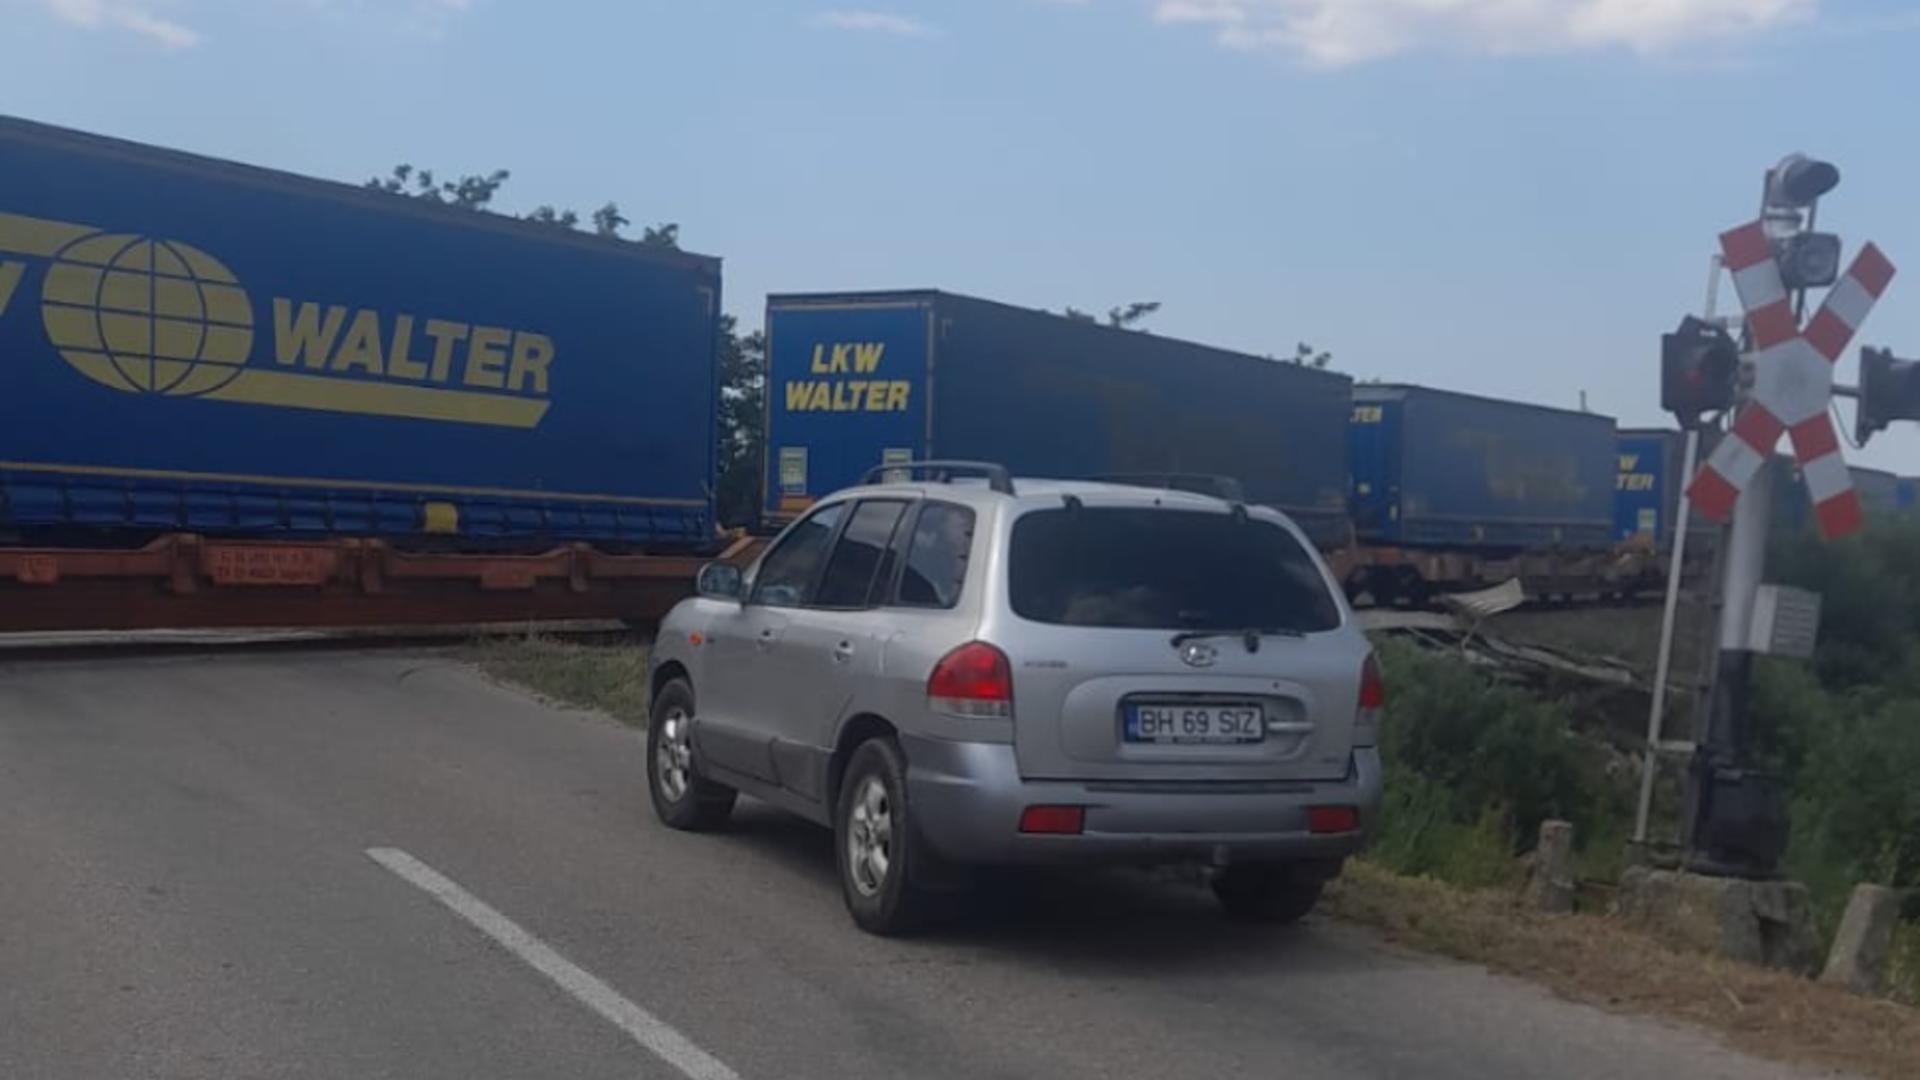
column 1889, row 391
column 1699, row 364
column 1799, row 181
column 1808, row 260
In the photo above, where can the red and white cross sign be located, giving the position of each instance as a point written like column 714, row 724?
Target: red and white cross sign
column 1792, row 382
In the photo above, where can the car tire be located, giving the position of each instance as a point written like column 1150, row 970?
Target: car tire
column 681, row 797
column 1272, row 893
column 874, row 842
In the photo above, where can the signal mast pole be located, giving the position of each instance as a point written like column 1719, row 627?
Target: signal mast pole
column 1736, row 822
column 1669, row 616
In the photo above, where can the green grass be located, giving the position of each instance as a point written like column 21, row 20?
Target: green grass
column 1903, row 980
column 609, row 677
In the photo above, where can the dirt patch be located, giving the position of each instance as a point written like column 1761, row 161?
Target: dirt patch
column 1597, row 960
column 610, row 678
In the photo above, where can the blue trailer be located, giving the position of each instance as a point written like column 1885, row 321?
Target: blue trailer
column 1645, row 485
column 196, row 345
column 1649, row 486
column 864, row 379
column 1438, row 469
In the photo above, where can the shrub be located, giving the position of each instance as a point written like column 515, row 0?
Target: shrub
column 1473, row 768
column 1903, row 978
column 1857, row 799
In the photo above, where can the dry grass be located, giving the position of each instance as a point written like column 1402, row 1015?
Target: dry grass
column 1598, row 960
column 611, row 678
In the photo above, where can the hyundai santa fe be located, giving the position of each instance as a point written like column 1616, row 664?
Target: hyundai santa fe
column 951, row 668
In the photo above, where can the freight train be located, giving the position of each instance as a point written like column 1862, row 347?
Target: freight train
column 231, row 396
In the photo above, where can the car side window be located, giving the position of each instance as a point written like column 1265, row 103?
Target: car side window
column 936, row 558
column 787, row 572
column 860, row 556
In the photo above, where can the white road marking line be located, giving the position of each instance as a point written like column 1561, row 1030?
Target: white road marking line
column 645, row 1028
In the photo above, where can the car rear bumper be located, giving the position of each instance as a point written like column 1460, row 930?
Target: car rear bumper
column 967, row 799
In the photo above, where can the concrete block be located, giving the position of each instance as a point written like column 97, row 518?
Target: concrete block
column 1864, row 944
column 1551, row 888
column 1765, row 923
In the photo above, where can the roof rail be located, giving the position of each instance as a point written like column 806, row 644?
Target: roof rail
column 1220, row 487
column 943, row 472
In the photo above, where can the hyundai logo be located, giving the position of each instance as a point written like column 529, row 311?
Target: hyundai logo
column 1198, row 654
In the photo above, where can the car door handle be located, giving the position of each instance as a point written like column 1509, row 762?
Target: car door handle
column 843, row 652
column 766, row 639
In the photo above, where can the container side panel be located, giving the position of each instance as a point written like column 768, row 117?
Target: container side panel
column 1502, row 475
column 1050, row 396
column 216, row 349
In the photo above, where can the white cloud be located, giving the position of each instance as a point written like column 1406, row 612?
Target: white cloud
column 166, row 32
column 132, row 18
column 1333, row 33
column 875, row 22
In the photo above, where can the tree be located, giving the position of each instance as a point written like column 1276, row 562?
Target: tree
column 1125, row 317
column 468, row 192
column 666, row 236
column 476, row 192
column 742, row 422
column 1306, row 355
column 608, row 221
column 547, row 215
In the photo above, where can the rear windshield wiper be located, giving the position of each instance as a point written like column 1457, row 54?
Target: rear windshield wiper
column 1250, row 637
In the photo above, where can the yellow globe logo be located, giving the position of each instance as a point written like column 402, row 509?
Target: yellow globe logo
column 147, row 316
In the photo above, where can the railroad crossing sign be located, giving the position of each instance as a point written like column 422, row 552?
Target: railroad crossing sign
column 1792, row 381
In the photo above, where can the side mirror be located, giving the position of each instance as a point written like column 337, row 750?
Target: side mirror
column 720, row 581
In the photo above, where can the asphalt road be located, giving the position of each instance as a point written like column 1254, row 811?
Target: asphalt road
column 186, row 891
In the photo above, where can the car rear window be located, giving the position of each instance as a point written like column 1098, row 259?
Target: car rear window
column 1165, row 569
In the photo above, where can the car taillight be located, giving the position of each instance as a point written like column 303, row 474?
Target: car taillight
column 1373, row 689
column 1373, row 698
column 974, row 680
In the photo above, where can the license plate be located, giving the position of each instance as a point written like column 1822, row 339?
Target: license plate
column 1195, row 723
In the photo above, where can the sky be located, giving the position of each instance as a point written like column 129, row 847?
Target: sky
column 1508, row 197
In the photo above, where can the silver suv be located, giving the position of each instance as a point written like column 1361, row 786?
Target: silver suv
column 955, row 671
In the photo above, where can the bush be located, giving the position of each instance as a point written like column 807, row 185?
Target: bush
column 1857, row 798
column 1845, row 730
column 1870, row 602
column 1473, row 768
column 1421, row 837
